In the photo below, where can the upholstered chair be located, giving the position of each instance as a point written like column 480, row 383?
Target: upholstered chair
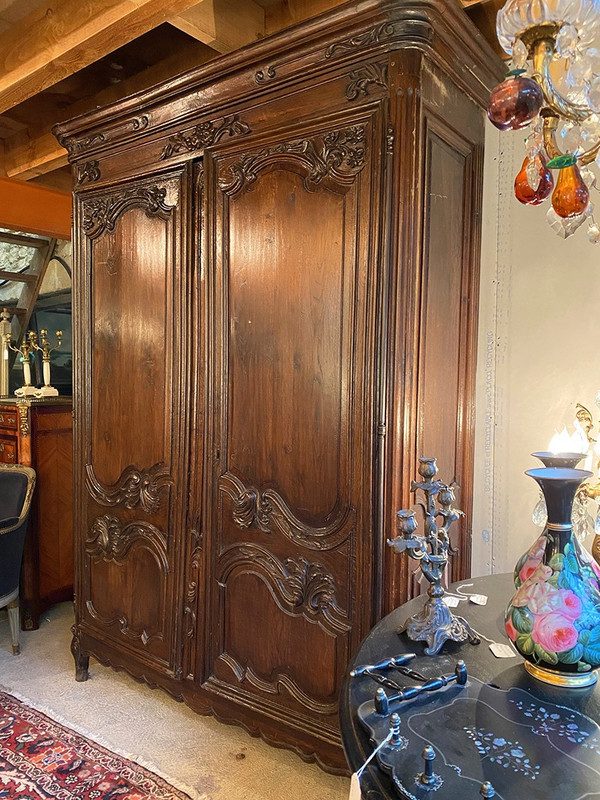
column 16, row 489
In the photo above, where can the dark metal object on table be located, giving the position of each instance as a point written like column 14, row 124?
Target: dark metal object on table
column 396, row 663
column 428, row 777
column 435, row 624
column 382, row 700
column 487, row 791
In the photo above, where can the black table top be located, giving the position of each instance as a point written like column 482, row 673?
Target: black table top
column 505, row 673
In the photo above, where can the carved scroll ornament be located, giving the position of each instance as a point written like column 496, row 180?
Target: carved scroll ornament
column 112, row 540
column 204, row 135
column 298, row 586
column 365, row 76
column 146, row 488
column 373, row 36
column 90, row 172
column 268, row 511
column 338, row 156
column 101, row 214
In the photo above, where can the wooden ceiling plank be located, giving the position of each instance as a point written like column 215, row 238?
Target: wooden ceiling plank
column 225, row 25
column 55, row 41
column 28, row 154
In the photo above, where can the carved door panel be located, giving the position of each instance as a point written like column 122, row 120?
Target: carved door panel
column 293, row 284
column 130, row 457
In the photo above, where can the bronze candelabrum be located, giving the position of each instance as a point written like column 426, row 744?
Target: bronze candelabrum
column 435, row 624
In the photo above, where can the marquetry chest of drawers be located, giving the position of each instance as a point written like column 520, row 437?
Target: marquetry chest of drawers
column 38, row 433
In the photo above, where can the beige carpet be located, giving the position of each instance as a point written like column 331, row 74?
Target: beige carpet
column 208, row 760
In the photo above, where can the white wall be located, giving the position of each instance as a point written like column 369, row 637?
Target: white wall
column 539, row 352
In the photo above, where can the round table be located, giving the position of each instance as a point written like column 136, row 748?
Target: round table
column 504, row 673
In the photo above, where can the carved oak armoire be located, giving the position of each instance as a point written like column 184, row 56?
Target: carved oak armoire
column 276, row 284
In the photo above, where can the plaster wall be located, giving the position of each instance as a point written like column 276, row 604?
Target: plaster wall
column 539, row 352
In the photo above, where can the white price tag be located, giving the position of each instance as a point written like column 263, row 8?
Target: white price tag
column 502, row 650
column 478, row 599
column 450, row 601
column 354, row 788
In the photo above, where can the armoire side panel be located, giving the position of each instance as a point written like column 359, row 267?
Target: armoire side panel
column 448, row 320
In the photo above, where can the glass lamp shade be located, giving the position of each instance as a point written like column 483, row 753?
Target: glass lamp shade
column 517, row 16
column 571, row 196
column 523, row 190
column 514, row 103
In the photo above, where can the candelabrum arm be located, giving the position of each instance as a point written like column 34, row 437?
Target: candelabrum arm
column 542, row 51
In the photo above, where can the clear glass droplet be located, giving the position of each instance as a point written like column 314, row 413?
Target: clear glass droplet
column 597, row 524
column 564, row 226
column 534, row 172
column 519, row 54
column 567, row 40
column 589, row 177
column 593, row 94
column 540, row 515
column 593, row 235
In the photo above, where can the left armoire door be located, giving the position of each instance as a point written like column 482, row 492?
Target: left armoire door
column 133, row 305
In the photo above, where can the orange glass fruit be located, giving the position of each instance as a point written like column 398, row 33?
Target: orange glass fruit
column 571, row 195
column 523, row 191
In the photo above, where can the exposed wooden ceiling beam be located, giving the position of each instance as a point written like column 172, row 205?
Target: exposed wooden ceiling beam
column 224, row 25
column 54, row 41
column 35, row 152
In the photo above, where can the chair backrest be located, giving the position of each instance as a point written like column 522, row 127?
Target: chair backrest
column 16, row 490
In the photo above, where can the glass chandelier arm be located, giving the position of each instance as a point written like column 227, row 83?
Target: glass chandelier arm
column 542, row 52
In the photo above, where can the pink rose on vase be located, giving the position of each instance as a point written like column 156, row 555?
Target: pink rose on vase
column 554, row 632
column 538, row 577
column 534, row 558
column 543, row 598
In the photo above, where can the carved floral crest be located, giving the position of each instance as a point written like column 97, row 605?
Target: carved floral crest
column 338, row 156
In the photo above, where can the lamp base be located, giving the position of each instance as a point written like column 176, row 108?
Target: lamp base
column 570, row 680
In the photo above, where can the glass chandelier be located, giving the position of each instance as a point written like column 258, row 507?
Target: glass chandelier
column 554, row 89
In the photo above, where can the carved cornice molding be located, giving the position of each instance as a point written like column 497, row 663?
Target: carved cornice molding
column 90, row 172
column 373, row 36
column 365, row 76
column 143, row 487
column 268, row 511
column 101, row 214
column 299, row 587
column 204, row 135
column 76, row 147
column 338, row 156
column 112, row 540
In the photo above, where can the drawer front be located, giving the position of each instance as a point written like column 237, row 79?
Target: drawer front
column 8, row 419
column 8, row 451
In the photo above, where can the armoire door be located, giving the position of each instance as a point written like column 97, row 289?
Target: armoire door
column 291, row 283
column 131, row 294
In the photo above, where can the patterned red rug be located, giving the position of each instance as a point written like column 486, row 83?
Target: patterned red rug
column 39, row 758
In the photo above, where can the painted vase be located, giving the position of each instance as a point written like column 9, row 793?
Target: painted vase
column 554, row 617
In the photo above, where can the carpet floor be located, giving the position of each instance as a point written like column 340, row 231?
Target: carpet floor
column 200, row 756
